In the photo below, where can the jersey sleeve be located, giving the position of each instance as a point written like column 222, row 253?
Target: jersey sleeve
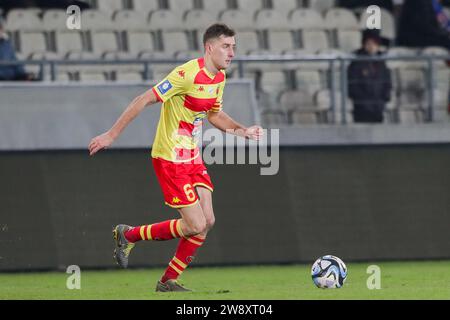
column 177, row 82
column 219, row 103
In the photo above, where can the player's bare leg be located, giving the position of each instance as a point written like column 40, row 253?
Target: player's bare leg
column 205, row 196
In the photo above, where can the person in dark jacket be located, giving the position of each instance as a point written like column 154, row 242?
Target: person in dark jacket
column 369, row 82
column 421, row 24
column 7, row 54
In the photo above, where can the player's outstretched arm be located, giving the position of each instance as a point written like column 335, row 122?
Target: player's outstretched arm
column 104, row 140
column 224, row 122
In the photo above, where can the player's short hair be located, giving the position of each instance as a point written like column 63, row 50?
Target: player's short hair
column 217, row 30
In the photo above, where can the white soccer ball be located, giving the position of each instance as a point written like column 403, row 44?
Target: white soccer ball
column 329, row 272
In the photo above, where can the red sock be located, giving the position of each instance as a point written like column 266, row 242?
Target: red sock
column 166, row 230
column 183, row 256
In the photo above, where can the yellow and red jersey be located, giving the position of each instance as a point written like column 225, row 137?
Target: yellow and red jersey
column 188, row 93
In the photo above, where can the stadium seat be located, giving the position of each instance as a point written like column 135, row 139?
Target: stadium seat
column 275, row 29
column 145, row 6
column 435, row 51
column 343, row 27
column 342, row 19
column 27, row 31
column 68, row 41
column 104, row 42
column 348, row 40
column 314, row 40
column 23, row 20
column 302, row 117
column 284, row 6
column 439, row 64
column 174, row 41
column 387, row 23
column 269, row 19
column 127, row 20
column 53, row 20
column 32, row 42
column 43, row 55
column 273, row 83
column 180, row 7
column 296, row 99
column 196, row 22
column 302, row 54
column 440, row 99
column 250, row 6
column 306, row 19
column 321, row 5
column 411, row 116
column 391, row 111
column 110, row 6
column 310, row 28
column 300, row 107
column 411, row 102
column 97, row 20
column 164, row 20
column 324, row 102
column 238, row 20
column 215, row 7
column 135, row 38
column 403, row 52
column 308, row 80
column 100, row 36
column 168, row 30
column 138, row 43
column 411, row 79
column 246, row 37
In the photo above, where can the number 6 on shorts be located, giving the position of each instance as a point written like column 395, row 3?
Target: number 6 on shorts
column 190, row 194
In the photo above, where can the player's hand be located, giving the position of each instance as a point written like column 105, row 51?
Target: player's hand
column 100, row 142
column 254, row 132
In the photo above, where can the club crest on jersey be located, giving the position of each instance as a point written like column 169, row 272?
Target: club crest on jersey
column 211, row 90
column 164, row 87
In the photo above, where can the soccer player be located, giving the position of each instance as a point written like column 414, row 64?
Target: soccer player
column 190, row 93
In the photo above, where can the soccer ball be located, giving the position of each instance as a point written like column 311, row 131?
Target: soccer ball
column 329, row 272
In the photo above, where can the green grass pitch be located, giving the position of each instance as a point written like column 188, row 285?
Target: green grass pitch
column 399, row 280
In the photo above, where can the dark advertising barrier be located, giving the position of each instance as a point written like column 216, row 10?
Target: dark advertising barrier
column 361, row 203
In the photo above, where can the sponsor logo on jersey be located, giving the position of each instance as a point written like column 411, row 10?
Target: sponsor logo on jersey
column 164, row 87
column 176, row 200
column 181, row 73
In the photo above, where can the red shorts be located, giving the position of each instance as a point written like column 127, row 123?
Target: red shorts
column 178, row 181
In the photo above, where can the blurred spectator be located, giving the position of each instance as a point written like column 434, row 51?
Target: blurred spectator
column 369, row 82
column 423, row 23
column 7, row 53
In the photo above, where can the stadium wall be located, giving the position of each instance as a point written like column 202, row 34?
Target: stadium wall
column 357, row 202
